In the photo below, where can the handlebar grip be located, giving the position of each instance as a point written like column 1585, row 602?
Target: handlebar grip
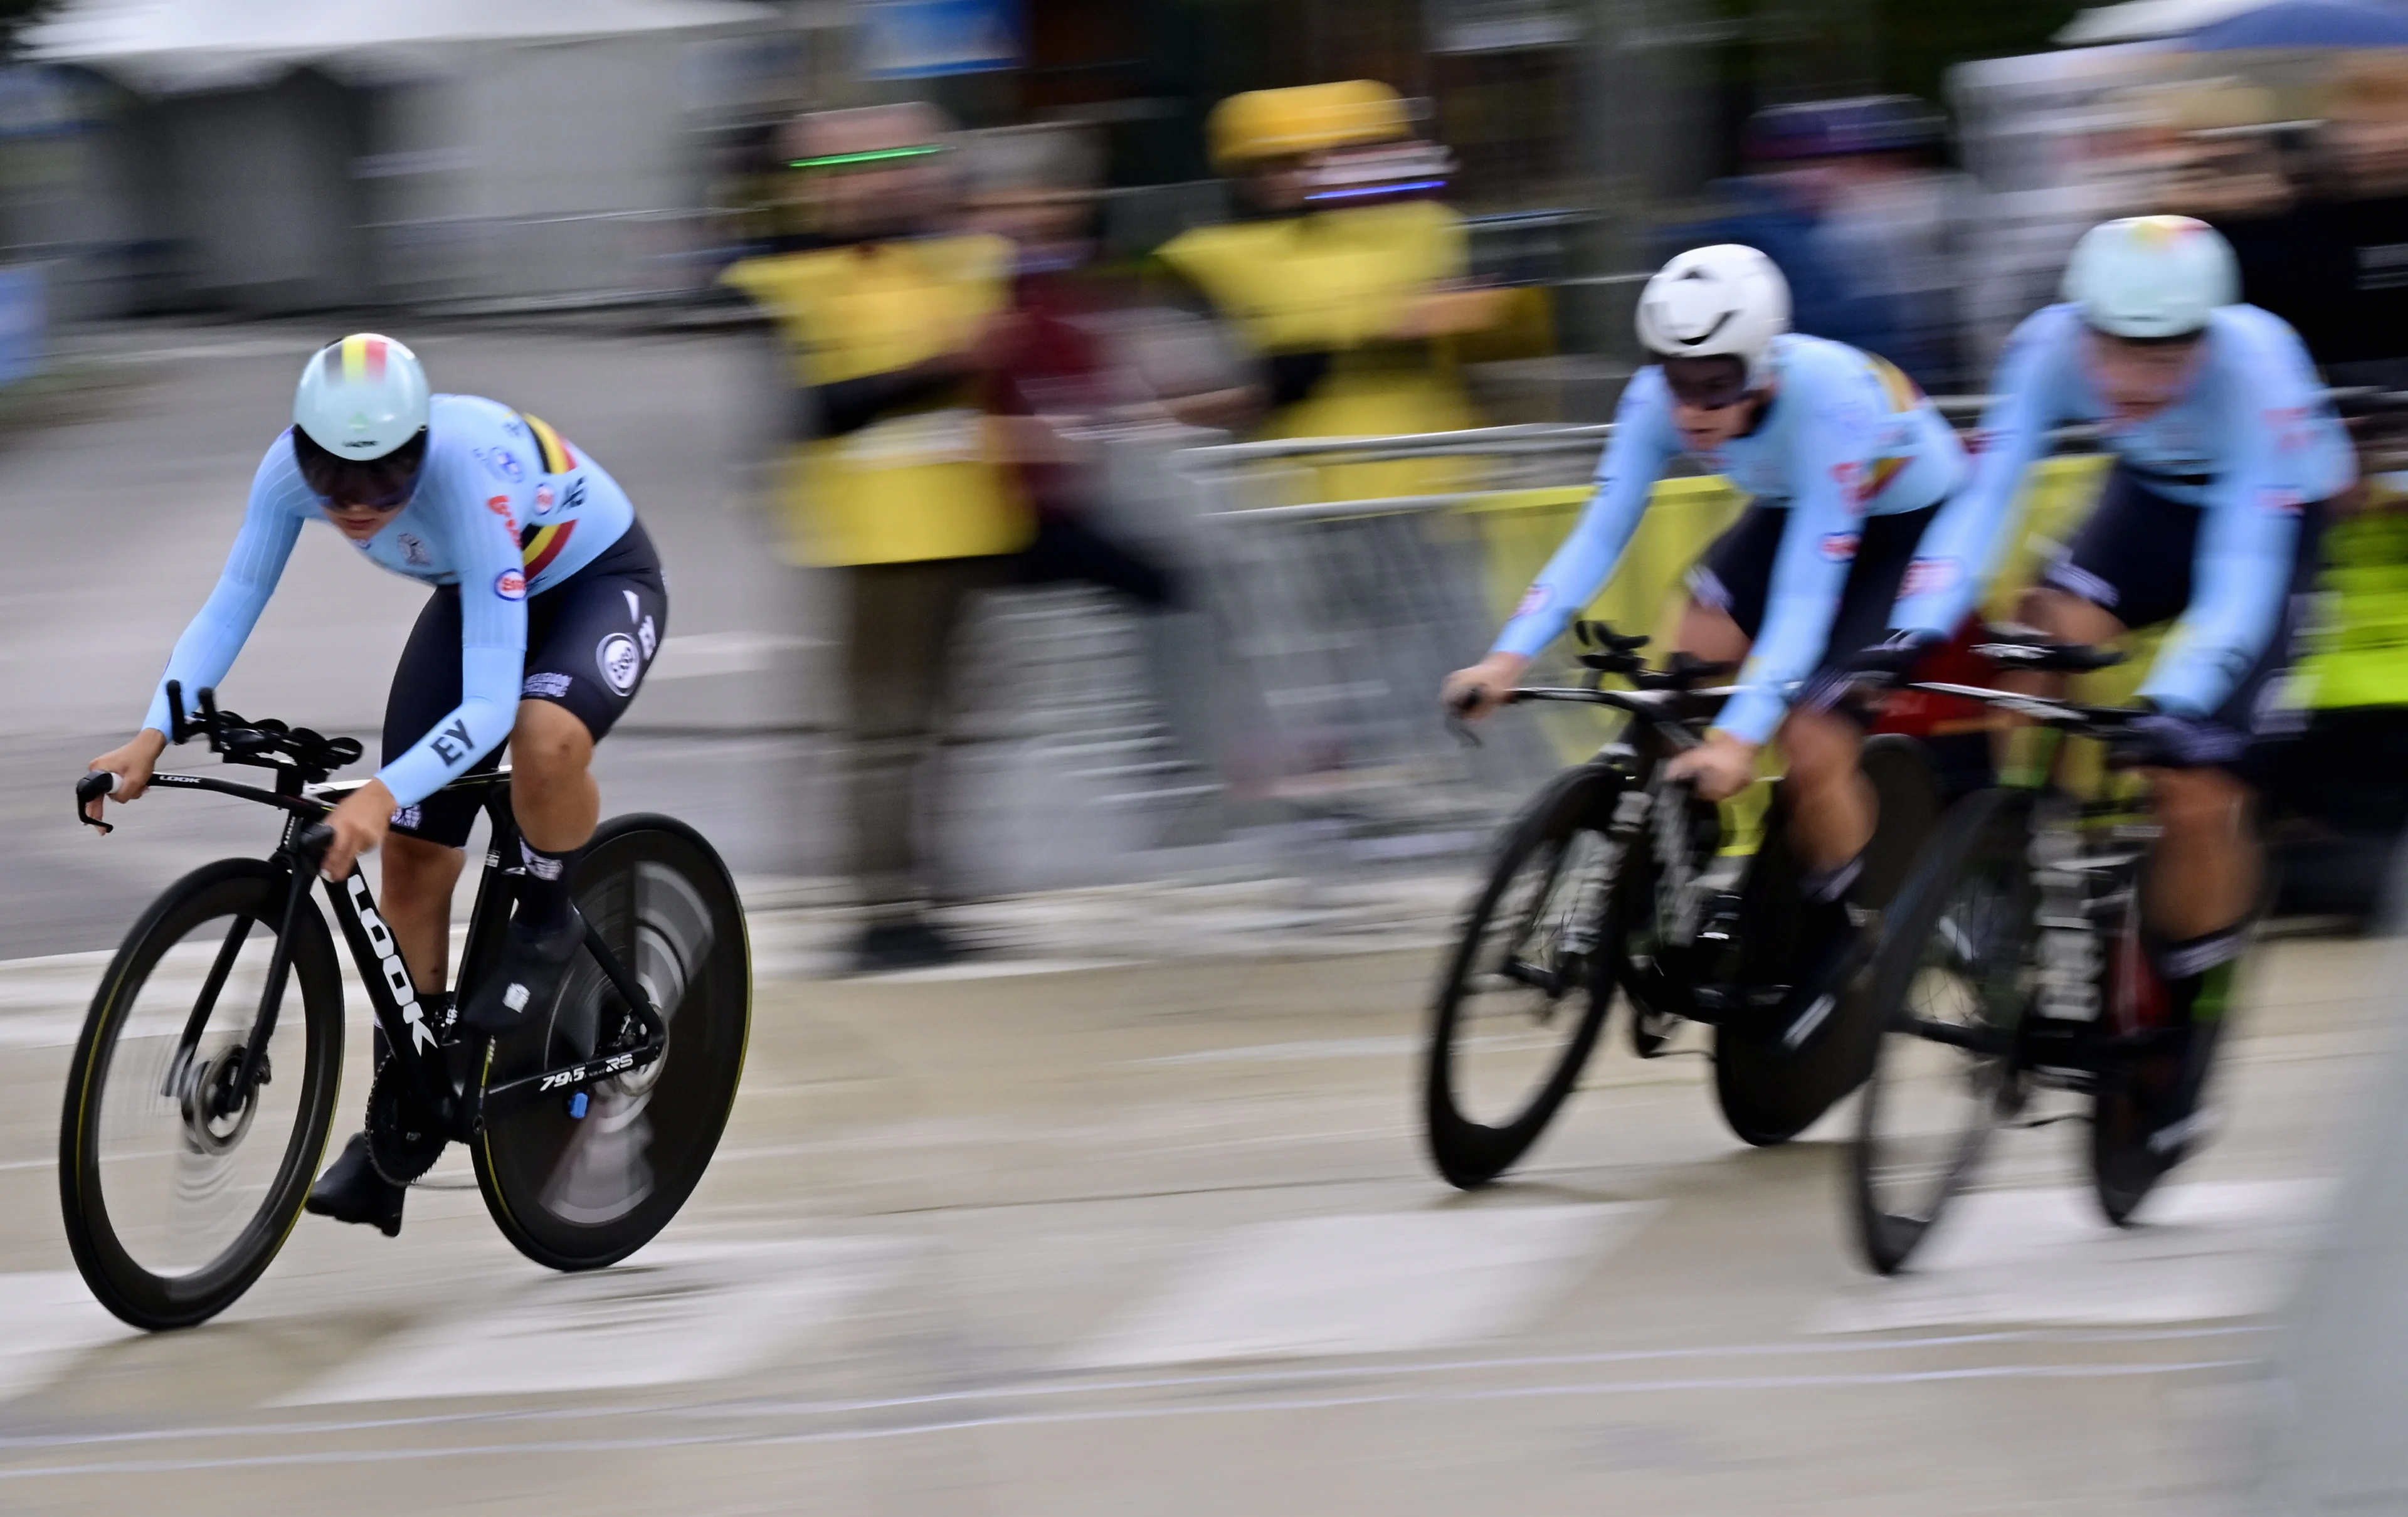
column 313, row 841
column 93, row 786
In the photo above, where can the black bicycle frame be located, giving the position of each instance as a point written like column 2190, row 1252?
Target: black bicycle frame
column 446, row 1071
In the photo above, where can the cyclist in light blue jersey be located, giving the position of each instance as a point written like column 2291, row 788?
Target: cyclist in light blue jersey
column 2227, row 456
column 548, row 606
column 1846, row 462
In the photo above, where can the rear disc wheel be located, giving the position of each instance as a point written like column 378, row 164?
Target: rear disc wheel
column 579, row 1185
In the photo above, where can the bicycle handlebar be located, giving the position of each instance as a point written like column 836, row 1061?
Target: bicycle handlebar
column 266, row 743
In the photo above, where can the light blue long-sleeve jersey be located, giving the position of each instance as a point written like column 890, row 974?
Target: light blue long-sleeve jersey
column 2250, row 442
column 1846, row 436
column 487, row 470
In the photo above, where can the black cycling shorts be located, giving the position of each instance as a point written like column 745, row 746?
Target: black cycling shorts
column 2133, row 557
column 1735, row 576
column 590, row 640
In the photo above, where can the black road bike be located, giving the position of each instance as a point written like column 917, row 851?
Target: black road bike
column 2012, row 964
column 1615, row 876
column 201, row 1096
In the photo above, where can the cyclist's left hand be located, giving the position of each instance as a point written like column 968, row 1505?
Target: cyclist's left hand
column 1718, row 768
column 359, row 820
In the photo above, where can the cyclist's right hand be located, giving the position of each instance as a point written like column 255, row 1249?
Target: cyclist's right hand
column 1475, row 692
column 131, row 763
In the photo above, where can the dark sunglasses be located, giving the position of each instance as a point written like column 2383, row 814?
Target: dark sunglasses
column 1706, row 385
column 393, row 500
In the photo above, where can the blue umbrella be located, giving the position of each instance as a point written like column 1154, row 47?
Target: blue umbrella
column 2307, row 24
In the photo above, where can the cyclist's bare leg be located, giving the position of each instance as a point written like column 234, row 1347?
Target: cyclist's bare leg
column 2204, row 875
column 1709, row 633
column 416, row 902
column 1831, row 804
column 552, row 794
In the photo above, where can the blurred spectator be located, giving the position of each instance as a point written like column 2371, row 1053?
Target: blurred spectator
column 1059, row 383
column 1072, row 380
column 892, row 326
column 1847, row 196
column 1346, row 282
column 2317, row 217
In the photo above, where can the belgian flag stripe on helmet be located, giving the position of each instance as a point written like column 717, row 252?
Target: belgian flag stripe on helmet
column 557, row 459
column 356, row 359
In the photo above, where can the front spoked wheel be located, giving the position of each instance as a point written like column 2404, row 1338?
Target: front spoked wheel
column 182, row 1165
column 581, row 1180
column 1950, row 990
column 1529, row 985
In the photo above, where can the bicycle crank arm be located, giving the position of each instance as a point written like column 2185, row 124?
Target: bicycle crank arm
column 570, row 1078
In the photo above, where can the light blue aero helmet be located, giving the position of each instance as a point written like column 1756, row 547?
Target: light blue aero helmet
column 2148, row 276
column 361, row 398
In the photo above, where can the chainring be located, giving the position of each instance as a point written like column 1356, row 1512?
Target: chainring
column 403, row 1143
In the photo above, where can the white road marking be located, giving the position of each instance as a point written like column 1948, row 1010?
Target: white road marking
column 522, row 1449
column 2205, row 1252
column 1364, row 1284
column 46, row 1320
column 681, row 1313
column 1319, row 1047
column 992, row 969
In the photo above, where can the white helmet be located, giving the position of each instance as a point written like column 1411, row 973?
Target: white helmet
column 1726, row 300
column 2152, row 276
column 361, row 398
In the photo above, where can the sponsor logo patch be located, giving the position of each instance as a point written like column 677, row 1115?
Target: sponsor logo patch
column 546, row 684
column 1534, row 599
column 1925, row 575
column 620, row 663
column 510, row 585
column 407, row 816
column 1840, row 547
column 502, row 462
column 413, row 552
column 543, row 498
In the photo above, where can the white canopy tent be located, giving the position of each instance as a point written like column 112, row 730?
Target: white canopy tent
column 161, row 45
column 285, row 154
column 2136, row 20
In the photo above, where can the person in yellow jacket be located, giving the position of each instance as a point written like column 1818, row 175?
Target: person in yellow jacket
column 1346, row 281
column 892, row 326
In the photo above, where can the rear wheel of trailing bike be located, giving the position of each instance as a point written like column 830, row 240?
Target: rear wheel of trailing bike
column 179, row 1177
column 580, row 1185
column 1528, row 984
column 1949, row 990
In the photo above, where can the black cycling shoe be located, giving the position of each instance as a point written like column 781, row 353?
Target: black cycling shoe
column 911, row 944
column 529, row 976
column 350, row 1190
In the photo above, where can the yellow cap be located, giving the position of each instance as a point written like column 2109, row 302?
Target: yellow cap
column 1275, row 123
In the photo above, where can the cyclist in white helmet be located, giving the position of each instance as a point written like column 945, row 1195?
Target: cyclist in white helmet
column 2227, row 454
column 1846, row 462
column 548, row 606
